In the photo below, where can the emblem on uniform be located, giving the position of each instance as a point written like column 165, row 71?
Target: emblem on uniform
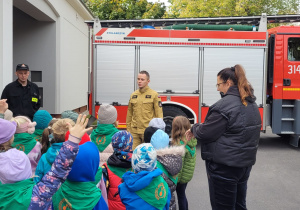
column 64, row 204
column 134, row 96
column 159, row 104
column 34, row 100
column 148, row 96
column 20, row 147
column 160, row 191
column 101, row 140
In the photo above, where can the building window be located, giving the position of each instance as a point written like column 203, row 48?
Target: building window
column 36, row 76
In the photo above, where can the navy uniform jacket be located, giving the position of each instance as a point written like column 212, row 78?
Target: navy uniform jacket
column 22, row 100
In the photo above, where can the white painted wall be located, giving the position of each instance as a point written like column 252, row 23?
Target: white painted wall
column 6, row 43
column 72, row 57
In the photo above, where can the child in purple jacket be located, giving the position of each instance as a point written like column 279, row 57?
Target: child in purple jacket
column 17, row 189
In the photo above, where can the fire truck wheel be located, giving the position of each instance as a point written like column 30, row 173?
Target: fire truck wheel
column 170, row 112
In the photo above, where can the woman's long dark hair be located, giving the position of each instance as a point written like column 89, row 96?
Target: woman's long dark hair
column 237, row 75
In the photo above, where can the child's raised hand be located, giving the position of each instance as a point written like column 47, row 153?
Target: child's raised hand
column 79, row 129
column 3, row 106
column 189, row 135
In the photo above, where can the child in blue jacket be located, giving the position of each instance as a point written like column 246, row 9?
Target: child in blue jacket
column 144, row 188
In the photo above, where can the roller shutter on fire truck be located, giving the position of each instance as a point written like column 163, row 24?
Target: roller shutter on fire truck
column 183, row 66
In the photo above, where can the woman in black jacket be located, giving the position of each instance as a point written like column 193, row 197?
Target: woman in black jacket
column 229, row 139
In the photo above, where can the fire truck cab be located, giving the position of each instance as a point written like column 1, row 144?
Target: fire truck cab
column 284, row 81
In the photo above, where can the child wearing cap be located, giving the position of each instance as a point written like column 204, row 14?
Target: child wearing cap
column 56, row 140
column 79, row 191
column 144, row 188
column 117, row 164
column 169, row 160
column 25, row 142
column 17, row 189
column 107, row 127
column 42, row 119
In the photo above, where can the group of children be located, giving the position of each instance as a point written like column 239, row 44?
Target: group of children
column 54, row 164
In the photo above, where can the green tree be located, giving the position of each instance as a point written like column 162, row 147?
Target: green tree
column 217, row 8
column 125, row 9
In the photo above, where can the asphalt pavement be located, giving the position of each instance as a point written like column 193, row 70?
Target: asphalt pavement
column 274, row 182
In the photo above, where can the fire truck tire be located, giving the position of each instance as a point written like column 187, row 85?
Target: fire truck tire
column 170, row 112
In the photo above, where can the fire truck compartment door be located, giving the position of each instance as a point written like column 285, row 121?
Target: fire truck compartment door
column 114, row 73
column 216, row 59
column 171, row 68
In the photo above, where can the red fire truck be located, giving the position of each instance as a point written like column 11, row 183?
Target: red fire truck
column 183, row 65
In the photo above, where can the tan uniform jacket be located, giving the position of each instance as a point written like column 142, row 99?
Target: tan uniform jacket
column 144, row 105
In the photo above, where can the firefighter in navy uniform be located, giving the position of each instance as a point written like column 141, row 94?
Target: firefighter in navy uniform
column 144, row 105
column 22, row 96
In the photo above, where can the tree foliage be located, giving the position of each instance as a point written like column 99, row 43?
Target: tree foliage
column 217, row 8
column 125, row 9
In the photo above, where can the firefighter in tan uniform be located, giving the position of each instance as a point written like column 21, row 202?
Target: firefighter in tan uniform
column 144, row 105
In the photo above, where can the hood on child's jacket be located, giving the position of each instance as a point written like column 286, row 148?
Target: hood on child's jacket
column 139, row 181
column 160, row 139
column 86, row 164
column 53, row 151
column 15, row 166
column 171, row 158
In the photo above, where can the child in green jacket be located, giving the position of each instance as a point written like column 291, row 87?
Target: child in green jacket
column 179, row 126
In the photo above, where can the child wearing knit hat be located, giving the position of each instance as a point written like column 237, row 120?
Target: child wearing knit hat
column 25, row 142
column 56, row 140
column 157, row 123
column 8, row 115
column 9, row 155
column 42, row 119
column 69, row 114
column 107, row 127
column 117, row 164
column 169, row 160
column 144, row 187
column 17, row 189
